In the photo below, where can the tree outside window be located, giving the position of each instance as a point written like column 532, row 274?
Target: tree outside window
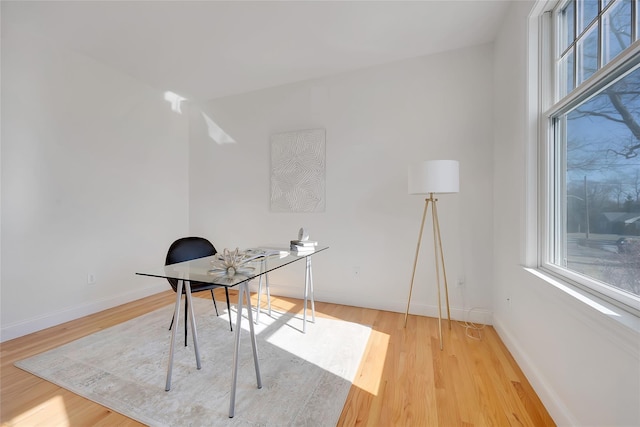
column 596, row 171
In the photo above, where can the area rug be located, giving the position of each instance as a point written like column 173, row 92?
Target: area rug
column 305, row 377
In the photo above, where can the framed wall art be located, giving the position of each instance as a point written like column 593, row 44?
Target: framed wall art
column 298, row 171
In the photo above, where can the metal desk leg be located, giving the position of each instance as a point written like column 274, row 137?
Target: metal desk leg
column 194, row 332
column 176, row 317
column 243, row 290
column 263, row 266
column 254, row 344
column 266, row 278
column 192, row 320
column 313, row 301
column 308, row 289
column 259, row 292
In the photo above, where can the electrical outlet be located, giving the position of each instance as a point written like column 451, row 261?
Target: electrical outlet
column 91, row 279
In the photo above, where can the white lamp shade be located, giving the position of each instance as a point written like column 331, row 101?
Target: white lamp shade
column 434, row 176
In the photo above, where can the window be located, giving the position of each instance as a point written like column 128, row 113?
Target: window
column 592, row 227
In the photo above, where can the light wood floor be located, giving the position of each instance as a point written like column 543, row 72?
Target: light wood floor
column 403, row 380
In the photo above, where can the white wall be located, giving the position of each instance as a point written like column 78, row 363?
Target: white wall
column 94, row 180
column 584, row 364
column 377, row 121
column 98, row 175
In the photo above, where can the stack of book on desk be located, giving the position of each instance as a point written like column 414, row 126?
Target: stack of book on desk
column 303, row 246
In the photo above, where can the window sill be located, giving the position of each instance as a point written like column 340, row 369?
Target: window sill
column 628, row 320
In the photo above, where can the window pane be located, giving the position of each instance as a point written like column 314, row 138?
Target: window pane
column 616, row 30
column 565, row 73
column 602, row 197
column 587, row 53
column 587, row 11
column 567, row 35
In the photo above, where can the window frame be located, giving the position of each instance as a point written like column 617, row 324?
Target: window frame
column 552, row 210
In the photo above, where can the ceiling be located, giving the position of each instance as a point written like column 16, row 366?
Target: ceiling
column 210, row 49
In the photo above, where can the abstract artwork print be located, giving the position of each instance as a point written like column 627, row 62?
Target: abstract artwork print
column 298, row 171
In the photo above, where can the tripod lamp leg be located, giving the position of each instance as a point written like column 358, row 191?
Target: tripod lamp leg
column 415, row 261
column 437, row 264
column 444, row 271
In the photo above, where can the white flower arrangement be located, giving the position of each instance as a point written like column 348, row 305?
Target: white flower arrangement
column 231, row 263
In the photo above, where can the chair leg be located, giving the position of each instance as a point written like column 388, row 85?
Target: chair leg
column 172, row 319
column 214, row 302
column 226, row 291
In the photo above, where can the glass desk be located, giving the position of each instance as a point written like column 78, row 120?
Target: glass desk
column 201, row 270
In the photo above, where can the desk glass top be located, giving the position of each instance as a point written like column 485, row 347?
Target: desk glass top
column 203, row 270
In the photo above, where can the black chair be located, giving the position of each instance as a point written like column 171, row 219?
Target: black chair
column 186, row 249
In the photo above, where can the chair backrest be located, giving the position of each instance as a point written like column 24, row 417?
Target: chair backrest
column 186, row 249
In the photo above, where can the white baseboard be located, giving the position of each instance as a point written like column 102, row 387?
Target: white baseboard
column 552, row 402
column 26, row 327
column 482, row 316
column 29, row 326
column 478, row 316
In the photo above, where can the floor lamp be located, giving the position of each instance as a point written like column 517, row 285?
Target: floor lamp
column 433, row 177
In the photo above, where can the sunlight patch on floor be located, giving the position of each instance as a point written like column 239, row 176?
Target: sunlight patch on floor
column 335, row 346
column 371, row 368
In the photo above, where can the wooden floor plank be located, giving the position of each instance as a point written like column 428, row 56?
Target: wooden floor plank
column 404, row 379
